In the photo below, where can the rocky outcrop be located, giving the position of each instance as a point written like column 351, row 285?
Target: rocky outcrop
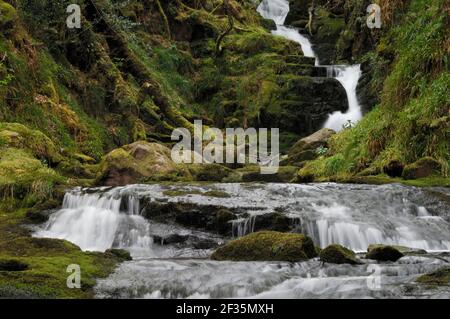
column 268, row 246
column 138, row 162
column 337, row 254
column 383, row 253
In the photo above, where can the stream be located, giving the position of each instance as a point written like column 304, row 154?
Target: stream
column 171, row 258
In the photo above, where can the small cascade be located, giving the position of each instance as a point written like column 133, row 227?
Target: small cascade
column 243, row 226
column 97, row 221
column 277, row 10
column 349, row 77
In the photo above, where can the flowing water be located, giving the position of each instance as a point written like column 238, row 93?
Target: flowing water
column 351, row 215
column 348, row 76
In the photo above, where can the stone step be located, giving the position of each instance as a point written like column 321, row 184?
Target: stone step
column 300, row 59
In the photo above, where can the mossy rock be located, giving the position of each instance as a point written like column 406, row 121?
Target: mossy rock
column 12, row 265
column 383, row 253
column 209, row 172
column 137, row 162
column 285, row 174
column 424, row 167
column 440, row 277
column 337, row 254
column 19, row 136
column 7, row 15
column 268, row 246
column 122, row 254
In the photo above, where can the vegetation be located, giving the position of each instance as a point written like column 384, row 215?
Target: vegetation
column 411, row 122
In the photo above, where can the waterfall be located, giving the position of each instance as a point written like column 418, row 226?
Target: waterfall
column 348, row 76
column 95, row 222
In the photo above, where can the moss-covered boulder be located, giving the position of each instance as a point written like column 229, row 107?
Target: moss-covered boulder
column 424, row 167
column 285, row 174
column 138, row 162
column 209, row 172
column 337, row 254
column 439, row 277
column 383, row 253
column 305, row 148
column 268, row 246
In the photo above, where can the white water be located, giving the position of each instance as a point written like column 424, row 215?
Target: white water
column 277, row 10
column 348, row 76
column 95, row 222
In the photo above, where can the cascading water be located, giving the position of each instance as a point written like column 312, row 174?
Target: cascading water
column 348, row 76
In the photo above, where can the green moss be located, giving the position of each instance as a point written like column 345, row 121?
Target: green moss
column 440, row 277
column 25, row 178
column 337, row 254
column 267, row 246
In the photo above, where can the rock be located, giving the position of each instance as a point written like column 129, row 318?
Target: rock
column 119, row 253
column 403, row 249
column 273, row 221
column 138, row 162
column 268, row 246
column 170, row 239
column 424, row 167
column 285, row 174
column 440, row 277
column 305, row 149
column 337, row 254
column 12, row 265
column 383, row 253
column 394, row 168
column 209, row 172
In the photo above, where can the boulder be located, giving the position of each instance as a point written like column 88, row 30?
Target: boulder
column 403, row 249
column 139, row 161
column 424, row 167
column 337, row 254
column 383, row 253
column 268, row 246
column 305, row 149
column 394, row 168
column 440, row 277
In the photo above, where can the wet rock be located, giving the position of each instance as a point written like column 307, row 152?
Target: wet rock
column 137, row 162
column 337, row 254
column 119, row 253
column 383, row 253
column 439, row 277
column 273, row 221
column 205, row 217
column 268, row 246
column 402, row 249
column 12, row 265
column 41, row 212
column 424, row 167
column 170, row 239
